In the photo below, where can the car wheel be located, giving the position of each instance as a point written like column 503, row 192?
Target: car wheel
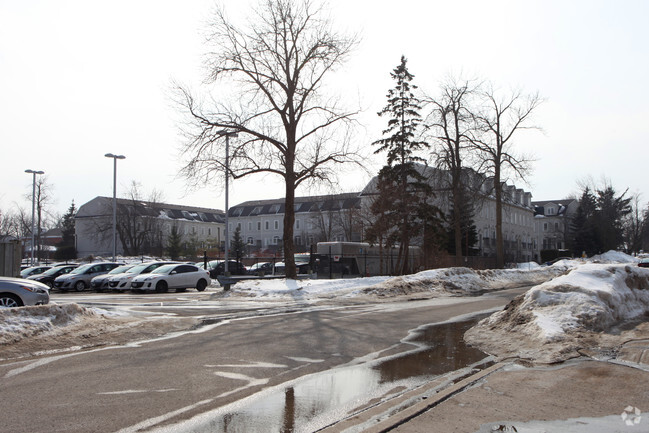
column 201, row 285
column 8, row 300
column 161, row 287
column 50, row 284
column 79, row 286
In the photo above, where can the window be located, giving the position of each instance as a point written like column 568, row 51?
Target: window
column 297, row 224
column 545, row 227
column 276, row 225
column 298, row 240
column 275, row 240
column 209, row 231
column 251, row 241
column 239, row 226
column 256, row 211
column 249, row 225
column 274, row 208
column 258, row 225
column 267, row 225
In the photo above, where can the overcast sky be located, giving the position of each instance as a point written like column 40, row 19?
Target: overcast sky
column 81, row 78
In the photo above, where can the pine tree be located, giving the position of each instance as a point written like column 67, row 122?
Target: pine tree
column 238, row 245
column 402, row 189
column 67, row 249
column 174, row 243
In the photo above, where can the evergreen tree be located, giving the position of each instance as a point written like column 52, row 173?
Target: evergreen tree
column 238, row 245
column 67, row 250
column 583, row 226
column 402, row 189
column 468, row 230
column 598, row 225
column 174, row 243
column 611, row 212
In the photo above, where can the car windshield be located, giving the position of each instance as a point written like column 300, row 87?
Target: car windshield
column 138, row 268
column 52, row 271
column 82, row 269
column 121, row 269
column 165, row 269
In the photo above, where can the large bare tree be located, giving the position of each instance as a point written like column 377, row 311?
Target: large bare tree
column 450, row 126
column 500, row 116
column 269, row 76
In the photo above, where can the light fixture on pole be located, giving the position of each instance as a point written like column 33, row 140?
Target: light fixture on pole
column 115, row 158
column 227, row 135
column 34, row 173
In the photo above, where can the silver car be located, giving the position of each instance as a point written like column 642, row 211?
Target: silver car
column 16, row 292
column 100, row 282
column 122, row 282
column 79, row 279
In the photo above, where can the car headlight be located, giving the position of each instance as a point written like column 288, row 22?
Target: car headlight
column 34, row 289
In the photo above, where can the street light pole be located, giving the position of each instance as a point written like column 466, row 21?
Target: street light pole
column 34, row 173
column 115, row 158
column 227, row 135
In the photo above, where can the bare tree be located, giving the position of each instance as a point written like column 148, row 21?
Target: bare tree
column 634, row 224
column 42, row 200
column 451, row 125
column 276, row 67
column 499, row 117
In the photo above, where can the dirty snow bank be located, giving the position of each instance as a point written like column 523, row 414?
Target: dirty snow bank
column 580, row 310
column 436, row 282
column 17, row 324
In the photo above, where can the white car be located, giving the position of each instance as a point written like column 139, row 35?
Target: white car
column 122, row 282
column 178, row 276
column 100, row 282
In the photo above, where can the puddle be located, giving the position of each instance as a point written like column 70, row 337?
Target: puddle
column 318, row 400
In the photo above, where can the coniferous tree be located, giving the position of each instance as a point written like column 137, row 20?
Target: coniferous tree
column 402, row 189
column 174, row 243
column 67, row 249
column 238, row 245
column 584, row 234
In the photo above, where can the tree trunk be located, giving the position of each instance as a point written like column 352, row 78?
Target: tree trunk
column 500, row 247
column 289, row 221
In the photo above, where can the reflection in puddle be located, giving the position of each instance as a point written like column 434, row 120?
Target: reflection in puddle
column 313, row 402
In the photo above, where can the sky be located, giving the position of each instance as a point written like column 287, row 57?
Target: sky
column 79, row 79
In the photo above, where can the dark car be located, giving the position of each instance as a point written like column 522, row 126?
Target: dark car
column 217, row 267
column 50, row 275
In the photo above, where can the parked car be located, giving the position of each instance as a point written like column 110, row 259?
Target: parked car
column 178, row 276
column 16, row 292
column 34, row 270
column 262, row 268
column 644, row 263
column 50, row 275
column 79, row 278
column 100, row 282
column 123, row 281
column 301, row 268
column 217, row 267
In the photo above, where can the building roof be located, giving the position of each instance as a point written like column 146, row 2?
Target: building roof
column 324, row 203
column 160, row 210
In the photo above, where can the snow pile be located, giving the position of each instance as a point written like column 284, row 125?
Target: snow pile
column 614, row 257
column 17, row 324
column 436, row 282
column 580, row 310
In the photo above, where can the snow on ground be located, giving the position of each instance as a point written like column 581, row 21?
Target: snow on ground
column 436, row 282
column 573, row 303
column 595, row 305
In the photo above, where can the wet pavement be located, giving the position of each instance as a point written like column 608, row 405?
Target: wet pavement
column 323, row 399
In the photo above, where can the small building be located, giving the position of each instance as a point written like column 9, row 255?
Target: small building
column 144, row 227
